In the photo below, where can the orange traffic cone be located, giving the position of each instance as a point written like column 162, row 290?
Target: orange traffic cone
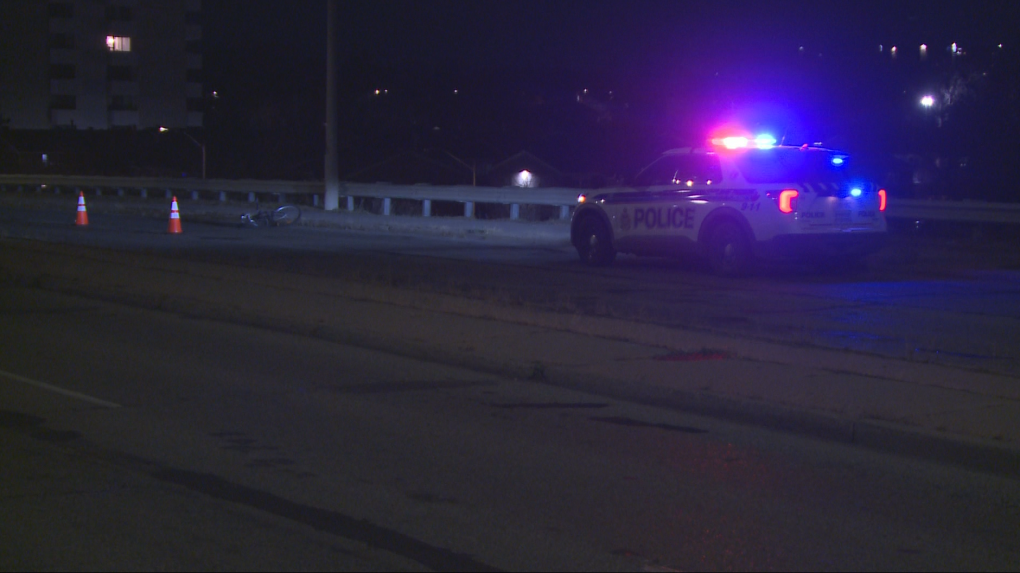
column 175, row 219
column 83, row 216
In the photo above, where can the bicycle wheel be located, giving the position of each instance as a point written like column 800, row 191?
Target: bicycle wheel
column 286, row 215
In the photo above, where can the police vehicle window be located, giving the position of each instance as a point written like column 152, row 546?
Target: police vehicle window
column 661, row 172
column 698, row 169
column 779, row 165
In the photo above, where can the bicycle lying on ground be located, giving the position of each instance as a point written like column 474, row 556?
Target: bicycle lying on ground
column 279, row 217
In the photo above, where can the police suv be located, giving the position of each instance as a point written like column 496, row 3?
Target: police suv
column 739, row 200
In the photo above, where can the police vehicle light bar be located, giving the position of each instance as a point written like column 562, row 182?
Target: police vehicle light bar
column 763, row 141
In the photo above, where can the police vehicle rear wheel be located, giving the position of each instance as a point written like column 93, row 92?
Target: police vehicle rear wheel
column 729, row 252
column 595, row 247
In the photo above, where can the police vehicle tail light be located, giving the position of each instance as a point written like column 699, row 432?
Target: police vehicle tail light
column 785, row 199
column 881, row 199
column 582, row 198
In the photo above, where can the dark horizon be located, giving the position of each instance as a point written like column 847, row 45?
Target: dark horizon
column 665, row 69
column 604, row 86
column 598, row 36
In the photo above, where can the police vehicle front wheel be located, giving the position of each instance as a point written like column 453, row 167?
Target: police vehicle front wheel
column 729, row 252
column 595, row 247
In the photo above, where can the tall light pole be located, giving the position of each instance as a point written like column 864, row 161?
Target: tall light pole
column 193, row 140
column 332, row 168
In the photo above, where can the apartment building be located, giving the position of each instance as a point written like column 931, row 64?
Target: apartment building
column 100, row 64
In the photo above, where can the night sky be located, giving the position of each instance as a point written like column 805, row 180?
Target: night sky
column 601, row 35
column 658, row 70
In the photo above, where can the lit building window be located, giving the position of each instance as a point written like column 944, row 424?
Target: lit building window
column 118, row 43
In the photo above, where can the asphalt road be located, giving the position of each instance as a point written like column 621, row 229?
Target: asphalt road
column 923, row 299
column 135, row 439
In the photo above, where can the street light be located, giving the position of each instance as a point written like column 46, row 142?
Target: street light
column 193, row 140
column 927, row 101
column 524, row 179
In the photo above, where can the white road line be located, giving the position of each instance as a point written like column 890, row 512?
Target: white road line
column 59, row 390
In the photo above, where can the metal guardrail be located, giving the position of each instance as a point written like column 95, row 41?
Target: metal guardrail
column 565, row 199
column 140, row 186
column 560, row 197
column 225, row 189
column 959, row 211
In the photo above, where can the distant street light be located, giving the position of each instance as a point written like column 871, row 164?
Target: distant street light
column 524, row 179
column 193, row 140
column 927, row 101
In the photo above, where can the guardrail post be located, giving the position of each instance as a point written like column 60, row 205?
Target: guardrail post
column 426, row 208
column 99, row 191
column 169, row 194
column 144, row 193
column 386, row 203
column 315, row 200
column 223, row 196
column 515, row 211
column 251, row 197
column 469, row 209
column 350, row 203
column 564, row 212
column 194, row 195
